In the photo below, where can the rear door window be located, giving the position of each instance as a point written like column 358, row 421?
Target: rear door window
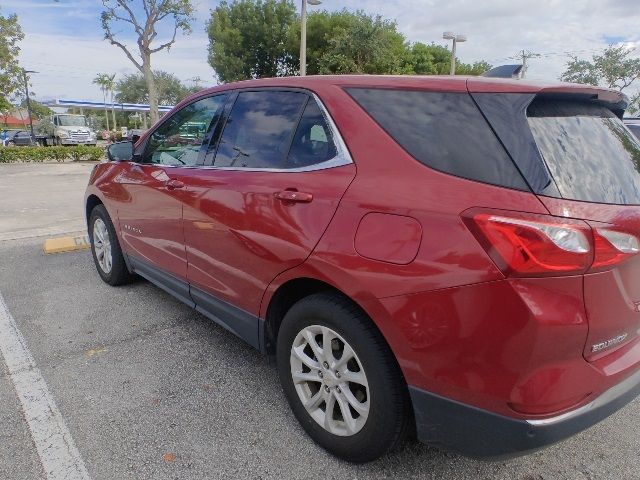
column 591, row 155
column 444, row 131
column 259, row 130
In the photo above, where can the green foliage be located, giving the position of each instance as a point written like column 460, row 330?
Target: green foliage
column 634, row 105
column 476, row 68
column 249, row 39
column 133, row 89
column 366, row 44
column 51, row 154
column 38, row 110
column 614, row 68
column 261, row 38
column 10, row 71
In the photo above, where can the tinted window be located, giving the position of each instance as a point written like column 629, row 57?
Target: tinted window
column 312, row 143
column 259, row 129
column 590, row 154
column 178, row 140
column 635, row 129
column 444, row 131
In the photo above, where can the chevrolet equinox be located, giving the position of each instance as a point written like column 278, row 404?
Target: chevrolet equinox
column 450, row 257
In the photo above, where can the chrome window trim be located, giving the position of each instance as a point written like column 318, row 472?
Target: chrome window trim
column 342, row 157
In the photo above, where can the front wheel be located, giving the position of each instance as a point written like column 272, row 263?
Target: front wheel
column 105, row 248
column 341, row 379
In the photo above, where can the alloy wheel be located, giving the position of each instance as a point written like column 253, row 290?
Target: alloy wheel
column 329, row 380
column 102, row 245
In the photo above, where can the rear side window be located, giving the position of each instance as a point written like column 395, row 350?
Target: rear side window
column 259, row 130
column 589, row 152
column 312, row 143
column 444, row 131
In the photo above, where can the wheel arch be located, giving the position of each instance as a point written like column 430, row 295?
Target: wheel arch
column 296, row 287
column 92, row 202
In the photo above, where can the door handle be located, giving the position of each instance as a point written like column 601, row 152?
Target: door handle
column 294, row 196
column 174, row 184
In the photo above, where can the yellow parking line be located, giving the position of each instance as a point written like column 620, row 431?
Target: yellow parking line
column 66, row 244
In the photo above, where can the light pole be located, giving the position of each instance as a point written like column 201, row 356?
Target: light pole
column 303, row 36
column 456, row 39
column 26, row 89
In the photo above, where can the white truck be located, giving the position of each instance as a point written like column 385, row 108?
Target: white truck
column 68, row 129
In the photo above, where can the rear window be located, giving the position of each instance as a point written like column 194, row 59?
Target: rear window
column 589, row 152
column 444, row 131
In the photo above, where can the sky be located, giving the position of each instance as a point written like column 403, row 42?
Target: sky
column 64, row 41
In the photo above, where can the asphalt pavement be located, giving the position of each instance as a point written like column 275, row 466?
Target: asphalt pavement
column 150, row 389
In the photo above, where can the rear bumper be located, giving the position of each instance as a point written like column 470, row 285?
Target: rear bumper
column 481, row 434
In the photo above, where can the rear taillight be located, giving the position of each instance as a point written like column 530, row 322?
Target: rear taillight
column 612, row 247
column 533, row 245
column 524, row 244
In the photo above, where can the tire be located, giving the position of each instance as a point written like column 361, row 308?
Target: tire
column 382, row 417
column 105, row 249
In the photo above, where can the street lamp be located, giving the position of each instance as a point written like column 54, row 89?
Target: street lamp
column 456, row 39
column 26, row 88
column 303, row 36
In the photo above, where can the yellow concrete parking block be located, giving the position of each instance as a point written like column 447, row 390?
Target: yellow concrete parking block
column 66, row 244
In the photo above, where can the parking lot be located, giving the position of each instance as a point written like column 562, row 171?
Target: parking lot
column 150, row 389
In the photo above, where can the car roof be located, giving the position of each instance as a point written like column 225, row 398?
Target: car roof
column 436, row 82
column 457, row 83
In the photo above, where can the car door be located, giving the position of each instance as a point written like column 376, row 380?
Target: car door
column 150, row 210
column 275, row 181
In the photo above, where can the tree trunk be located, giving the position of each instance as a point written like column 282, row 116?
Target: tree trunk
column 151, row 87
column 113, row 113
column 106, row 112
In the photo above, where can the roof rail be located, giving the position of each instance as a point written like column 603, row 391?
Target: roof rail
column 504, row 71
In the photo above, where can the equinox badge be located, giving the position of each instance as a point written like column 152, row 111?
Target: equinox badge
column 609, row 343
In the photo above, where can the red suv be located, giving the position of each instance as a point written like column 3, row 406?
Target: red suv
column 455, row 256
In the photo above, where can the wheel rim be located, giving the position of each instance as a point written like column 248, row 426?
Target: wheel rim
column 102, row 245
column 330, row 381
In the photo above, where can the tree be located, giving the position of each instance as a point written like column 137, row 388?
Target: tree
column 155, row 13
column 38, row 110
column 366, row 44
column 614, row 68
column 249, row 39
column 104, row 81
column 261, row 38
column 10, row 72
column 476, row 68
column 132, row 89
column 110, row 84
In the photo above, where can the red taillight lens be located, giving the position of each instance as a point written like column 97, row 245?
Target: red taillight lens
column 612, row 246
column 533, row 245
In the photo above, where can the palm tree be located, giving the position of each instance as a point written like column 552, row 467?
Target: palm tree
column 102, row 80
column 111, row 85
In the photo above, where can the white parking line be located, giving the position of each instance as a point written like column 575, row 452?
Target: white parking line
column 57, row 451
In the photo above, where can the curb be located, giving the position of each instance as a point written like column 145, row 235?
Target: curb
column 66, row 244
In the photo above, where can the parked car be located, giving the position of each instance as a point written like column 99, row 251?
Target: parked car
column 458, row 255
column 7, row 139
column 633, row 124
column 22, row 138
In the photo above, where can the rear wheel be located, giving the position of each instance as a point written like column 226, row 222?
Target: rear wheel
column 341, row 379
column 107, row 254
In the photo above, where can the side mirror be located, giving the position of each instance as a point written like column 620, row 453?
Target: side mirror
column 120, row 152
